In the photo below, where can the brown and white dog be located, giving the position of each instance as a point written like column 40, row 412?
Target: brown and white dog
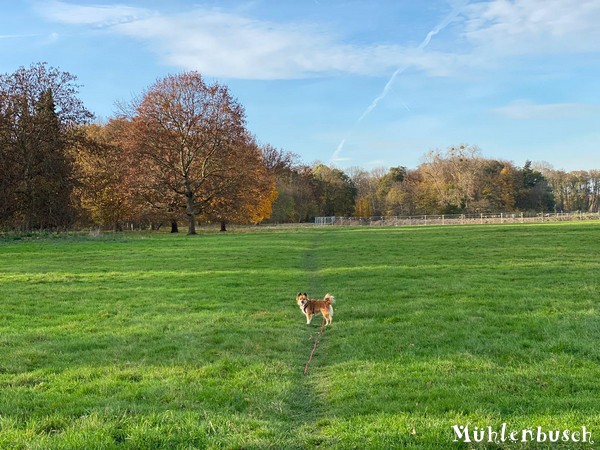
column 312, row 307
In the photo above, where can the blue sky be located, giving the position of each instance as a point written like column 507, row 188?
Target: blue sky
column 365, row 83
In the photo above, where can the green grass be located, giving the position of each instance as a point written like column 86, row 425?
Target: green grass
column 153, row 341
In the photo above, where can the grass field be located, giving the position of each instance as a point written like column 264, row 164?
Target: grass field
column 154, row 341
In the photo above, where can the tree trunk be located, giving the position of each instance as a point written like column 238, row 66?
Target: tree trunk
column 190, row 207
column 223, row 225
column 174, row 228
column 192, row 224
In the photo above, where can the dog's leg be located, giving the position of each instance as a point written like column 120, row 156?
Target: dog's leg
column 308, row 319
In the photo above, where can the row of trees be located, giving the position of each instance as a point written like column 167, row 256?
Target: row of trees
column 457, row 180
column 181, row 151
column 461, row 180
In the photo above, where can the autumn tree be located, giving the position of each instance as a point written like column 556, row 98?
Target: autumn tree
column 38, row 110
column 505, row 184
column 580, row 188
column 465, row 182
column 436, row 169
column 577, row 190
column 249, row 194
column 594, row 191
column 364, row 193
column 277, row 161
column 390, row 191
column 421, row 197
column 370, row 199
column 193, row 139
column 108, row 185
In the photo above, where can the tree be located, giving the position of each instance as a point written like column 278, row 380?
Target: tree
column 336, row 194
column 454, row 175
column 193, row 138
column 422, row 196
column 296, row 196
column 295, row 186
column 366, row 188
column 506, row 184
column 390, row 191
column 107, row 191
column 535, row 192
column 278, row 162
column 38, row 111
column 48, row 186
column 281, row 167
column 594, row 203
column 9, row 168
column 249, row 195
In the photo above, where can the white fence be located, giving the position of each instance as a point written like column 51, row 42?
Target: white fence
column 457, row 219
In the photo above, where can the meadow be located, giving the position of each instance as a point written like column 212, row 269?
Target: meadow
column 159, row 341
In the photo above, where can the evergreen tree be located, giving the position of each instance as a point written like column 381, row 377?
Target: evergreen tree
column 38, row 110
column 53, row 187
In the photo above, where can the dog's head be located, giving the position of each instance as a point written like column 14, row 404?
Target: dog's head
column 301, row 298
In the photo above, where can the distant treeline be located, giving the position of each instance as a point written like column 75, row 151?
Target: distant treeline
column 458, row 180
column 182, row 153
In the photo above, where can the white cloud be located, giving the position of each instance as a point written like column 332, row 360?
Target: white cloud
column 99, row 15
column 232, row 45
column 227, row 45
column 224, row 44
column 534, row 26
column 16, row 36
column 525, row 110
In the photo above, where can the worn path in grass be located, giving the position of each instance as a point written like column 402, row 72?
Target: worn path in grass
column 305, row 396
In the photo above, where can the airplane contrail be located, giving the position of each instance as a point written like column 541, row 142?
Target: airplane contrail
column 381, row 96
column 338, row 150
column 424, row 43
column 439, row 27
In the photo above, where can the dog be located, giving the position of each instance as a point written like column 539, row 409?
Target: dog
column 311, row 308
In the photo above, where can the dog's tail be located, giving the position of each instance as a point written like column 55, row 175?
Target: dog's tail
column 329, row 299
